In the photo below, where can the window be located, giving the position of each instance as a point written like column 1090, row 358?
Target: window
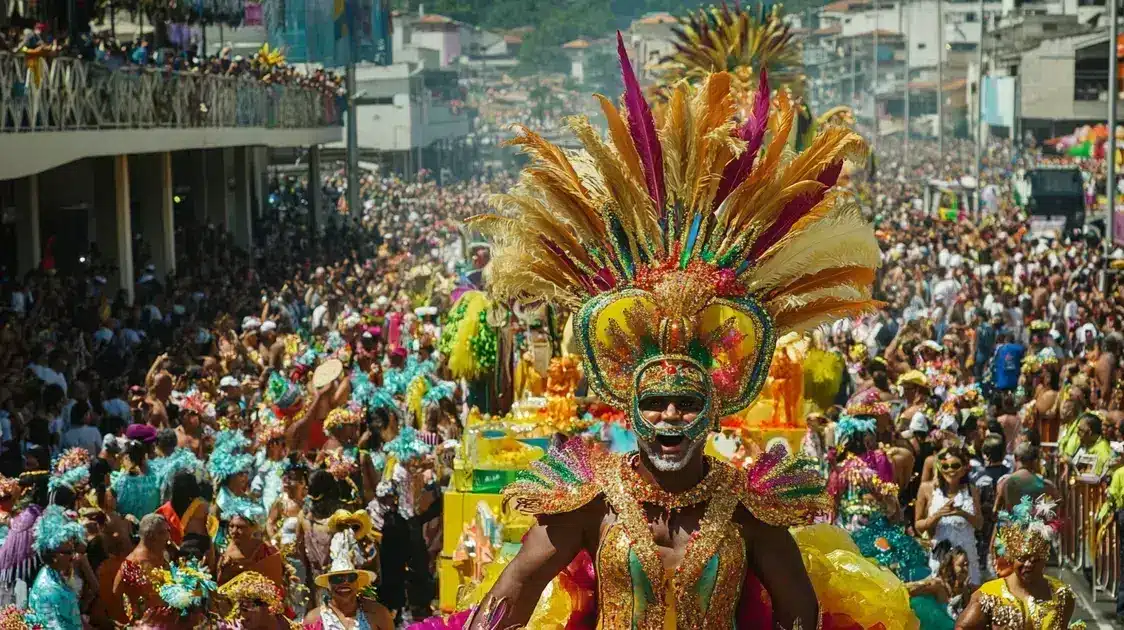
column 970, row 16
column 1049, row 27
column 921, row 46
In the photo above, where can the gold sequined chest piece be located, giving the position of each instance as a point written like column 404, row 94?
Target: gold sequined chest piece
column 635, row 589
column 1007, row 612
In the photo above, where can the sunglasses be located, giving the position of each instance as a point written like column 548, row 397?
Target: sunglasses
column 951, row 466
column 343, row 578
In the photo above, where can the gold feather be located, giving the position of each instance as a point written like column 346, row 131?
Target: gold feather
column 622, row 139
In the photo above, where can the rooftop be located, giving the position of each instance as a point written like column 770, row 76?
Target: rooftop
column 577, row 44
column 661, row 17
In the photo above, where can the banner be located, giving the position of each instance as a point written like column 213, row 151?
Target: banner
column 322, row 31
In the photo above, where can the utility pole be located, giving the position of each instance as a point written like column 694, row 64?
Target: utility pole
column 1110, row 156
column 854, row 73
column 940, row 82
column 874, row 105
column 979, row 109
column 908, row 44
column 352, row 113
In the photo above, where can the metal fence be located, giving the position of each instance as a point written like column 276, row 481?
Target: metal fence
column 1088, row 539
column 66, row 94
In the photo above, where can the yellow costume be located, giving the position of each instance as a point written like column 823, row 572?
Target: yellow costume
column 1007, row 612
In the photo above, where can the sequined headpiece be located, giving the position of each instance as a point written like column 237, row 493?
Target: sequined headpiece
column 685, row 245
column 1027, row 532
column 340, row 416
column 249, row 586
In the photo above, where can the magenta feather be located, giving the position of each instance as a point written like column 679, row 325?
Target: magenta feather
column 793, row 211
column 642, row 128
column 565, row 259
column 753, row 133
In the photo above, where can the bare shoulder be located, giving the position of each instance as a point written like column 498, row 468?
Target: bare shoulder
column 313, row 616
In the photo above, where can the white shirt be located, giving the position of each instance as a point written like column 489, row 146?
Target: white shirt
column 84, row 436
column 318, row 315
column 117, row 408
column 48, row 376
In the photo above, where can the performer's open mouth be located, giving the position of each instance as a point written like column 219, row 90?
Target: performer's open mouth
column 670, row 444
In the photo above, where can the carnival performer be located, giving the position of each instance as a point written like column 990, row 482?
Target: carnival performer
column 57, row 539
column 866, row 505
column 136, row 488
column 685, row 253
column 1023, row 596
column 133, row 585
column 255, row 602
column 939, row 598
column 269, row 461
column 230, row 470
column 9, row 494
column 19, row 564
column 344, row 603
column 246, row 551
column 283, row 528
column 185, row 589
column 351, row 465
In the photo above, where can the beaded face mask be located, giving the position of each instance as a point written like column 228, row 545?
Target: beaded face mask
column 671, row 377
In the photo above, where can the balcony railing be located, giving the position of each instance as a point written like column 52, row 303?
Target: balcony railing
column 66, row 94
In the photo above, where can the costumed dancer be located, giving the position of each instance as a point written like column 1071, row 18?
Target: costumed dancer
column 230, row 470
column 185, row 590
column 346, row 600
column 685, row 253
column 136, row 488
column 283, row 528
column 1024, row 596
column 71, row 478
column 342, row 455
column 133, row 584
column 58, row 537
column 269, row 461
column 866, row 505
column 9, row 494
column 255, row 603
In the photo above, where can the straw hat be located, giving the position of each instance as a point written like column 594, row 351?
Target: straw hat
column 345, row 555
column 358, row 522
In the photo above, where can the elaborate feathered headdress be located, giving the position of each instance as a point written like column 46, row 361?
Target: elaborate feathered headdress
column 688, row 244
column 850, row 427
column 738, row 41
column 55, row 528
column 71, row 469
column 1028, row 531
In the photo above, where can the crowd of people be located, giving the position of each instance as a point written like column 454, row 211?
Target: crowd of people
column 267, row 66
column 259, row 439
column 152, row 445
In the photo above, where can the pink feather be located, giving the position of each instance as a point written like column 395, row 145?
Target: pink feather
column 642, row 128
column 753, row 132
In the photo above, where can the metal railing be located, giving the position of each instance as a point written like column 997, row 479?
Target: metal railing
column 66, row 94
column 1088, row 539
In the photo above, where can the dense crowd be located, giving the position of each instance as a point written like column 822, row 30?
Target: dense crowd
column 192, row 414
column 267, row 66
column 261, row 436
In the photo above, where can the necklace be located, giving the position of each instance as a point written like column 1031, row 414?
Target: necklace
column 646, row 492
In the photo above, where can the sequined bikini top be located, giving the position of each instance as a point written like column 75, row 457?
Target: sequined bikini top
column 1007, row 612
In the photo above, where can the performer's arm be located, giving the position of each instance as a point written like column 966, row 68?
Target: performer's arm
column 973, row 617
column 547, row 549
column 776, row 561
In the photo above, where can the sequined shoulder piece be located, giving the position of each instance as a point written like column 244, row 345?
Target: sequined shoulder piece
column 564, row 480
column 783, row 490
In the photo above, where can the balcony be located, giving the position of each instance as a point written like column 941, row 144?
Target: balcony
column 53, row 111
column 1090, row 85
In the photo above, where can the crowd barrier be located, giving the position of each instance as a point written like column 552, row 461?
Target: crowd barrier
column 1089, row 542
column 67, row 94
